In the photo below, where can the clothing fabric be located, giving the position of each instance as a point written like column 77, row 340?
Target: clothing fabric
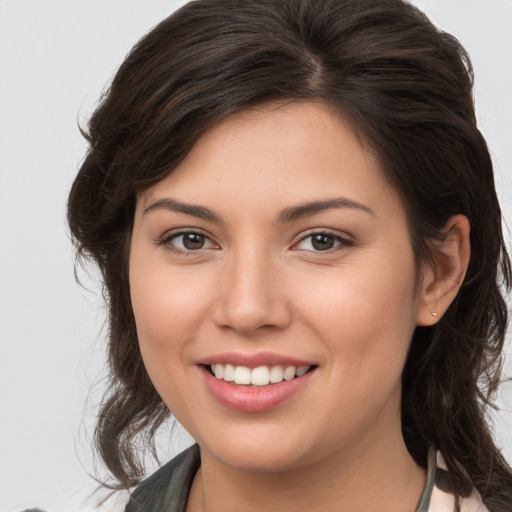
column 442, row 500
column 168, row 488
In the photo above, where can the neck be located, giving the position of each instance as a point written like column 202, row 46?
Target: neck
column 376, row 473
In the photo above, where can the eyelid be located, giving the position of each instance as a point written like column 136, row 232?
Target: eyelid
column 166, row 239
column 343, row 240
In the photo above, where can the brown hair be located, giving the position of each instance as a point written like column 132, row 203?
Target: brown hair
column 406, row 88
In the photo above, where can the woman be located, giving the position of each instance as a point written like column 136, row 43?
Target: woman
column 280, row 197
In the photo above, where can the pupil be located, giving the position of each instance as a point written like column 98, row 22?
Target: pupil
column 323, row 242
column 193, row 241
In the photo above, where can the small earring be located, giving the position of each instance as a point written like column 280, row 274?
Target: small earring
column 434, row 314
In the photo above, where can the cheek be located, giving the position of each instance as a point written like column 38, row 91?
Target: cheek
column 167, row 305
column 366, row 313
column 168, row 309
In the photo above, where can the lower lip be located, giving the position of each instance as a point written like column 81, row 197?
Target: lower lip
column 254, row 399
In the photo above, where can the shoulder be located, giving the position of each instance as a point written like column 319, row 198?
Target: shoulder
column 168, row 488
column 443, row 501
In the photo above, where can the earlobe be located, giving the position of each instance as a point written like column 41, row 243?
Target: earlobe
column 443, row 278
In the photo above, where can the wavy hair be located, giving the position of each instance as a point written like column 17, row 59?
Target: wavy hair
column 405, row 87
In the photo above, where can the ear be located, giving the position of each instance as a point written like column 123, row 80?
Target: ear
column 442, row 279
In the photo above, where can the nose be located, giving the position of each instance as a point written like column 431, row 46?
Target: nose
column 251, row 295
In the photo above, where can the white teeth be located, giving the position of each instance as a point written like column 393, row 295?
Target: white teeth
column 276, row 374
column 242, row 375
column 261, row 376
column 218, row 370
column 301, row 370
column 229, row 373
column 289, row 373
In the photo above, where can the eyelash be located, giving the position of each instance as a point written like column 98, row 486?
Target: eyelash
column 339, row 241
column 167, row 240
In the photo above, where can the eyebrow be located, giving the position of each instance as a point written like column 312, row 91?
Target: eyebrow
column 303, row 210
column 287, row 215
column 168, row 203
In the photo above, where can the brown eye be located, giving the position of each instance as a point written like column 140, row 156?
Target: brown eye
column 193, row 241
column 187, row 241
column 322, row 242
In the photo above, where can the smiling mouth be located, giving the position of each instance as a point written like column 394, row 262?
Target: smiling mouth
column 260, row 376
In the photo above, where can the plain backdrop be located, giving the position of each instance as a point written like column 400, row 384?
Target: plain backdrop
column 55, row 58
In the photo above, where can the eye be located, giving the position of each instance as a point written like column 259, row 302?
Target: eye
column 187, row 241
column 322, row 241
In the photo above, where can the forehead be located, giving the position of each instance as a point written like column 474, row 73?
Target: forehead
column 276, row 154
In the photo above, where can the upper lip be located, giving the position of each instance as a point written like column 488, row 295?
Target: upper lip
column 254, row 360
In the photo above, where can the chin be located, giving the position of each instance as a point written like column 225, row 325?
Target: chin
column 260, row 460
column 256, row 453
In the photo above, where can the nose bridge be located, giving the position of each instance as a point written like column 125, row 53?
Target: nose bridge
column 249, row 294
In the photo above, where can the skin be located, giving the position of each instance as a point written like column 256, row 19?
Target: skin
column 260, row 285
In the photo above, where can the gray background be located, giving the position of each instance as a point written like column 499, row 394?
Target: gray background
column 55, row 57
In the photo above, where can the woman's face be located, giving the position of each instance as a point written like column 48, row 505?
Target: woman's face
column 276, row 248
